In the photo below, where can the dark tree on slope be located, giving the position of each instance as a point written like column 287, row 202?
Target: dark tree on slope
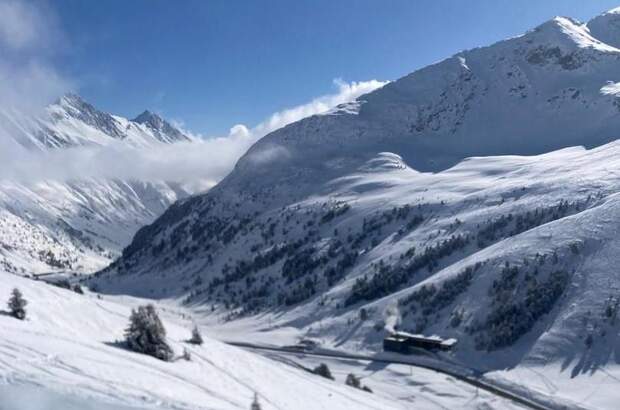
column 255, row 404
column 353, row 381
column 323, row 371
column 17, row 305
column 146, row 333
column 196, row 338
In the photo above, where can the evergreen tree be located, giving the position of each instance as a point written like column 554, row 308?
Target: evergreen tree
column 323, row 371
column 17, row 305
column 196, row 338
column 353, row 381
column 255, row 404
column 146, row 333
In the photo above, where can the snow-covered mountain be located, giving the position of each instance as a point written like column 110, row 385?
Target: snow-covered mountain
column 72, row 122
column 606, row 27
column 82, row 224
column 446, row 201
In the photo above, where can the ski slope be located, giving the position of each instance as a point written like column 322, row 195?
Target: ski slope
column 68, row 348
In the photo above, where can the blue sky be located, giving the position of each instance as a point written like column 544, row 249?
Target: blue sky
column 215, row 63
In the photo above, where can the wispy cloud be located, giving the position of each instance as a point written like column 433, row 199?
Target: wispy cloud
column 22, row 25
column 29, row 33
column 346, row 92
column 200, row 163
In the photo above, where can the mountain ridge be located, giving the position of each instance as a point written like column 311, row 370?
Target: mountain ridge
column 435, row 197
column 71, row 122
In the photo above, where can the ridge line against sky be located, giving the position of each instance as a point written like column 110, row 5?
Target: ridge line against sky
column 212, row 63
column 198, row 165
column 33, row 80
column 38, row 37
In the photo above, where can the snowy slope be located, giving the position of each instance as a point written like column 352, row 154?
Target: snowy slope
column 77, row 226
column 446, row 200
column 67, row 348
column 81, row 225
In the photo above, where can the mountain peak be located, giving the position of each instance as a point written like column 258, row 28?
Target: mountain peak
column 74, row 106
column 148, row 117
column 162, row 129
column 72, row 99
column 606, row 27
column 612, row 11
column 570, row 35
column 71, row 120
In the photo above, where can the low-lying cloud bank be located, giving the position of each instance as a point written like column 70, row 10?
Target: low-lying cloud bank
column 30, row 35
column 204, row 161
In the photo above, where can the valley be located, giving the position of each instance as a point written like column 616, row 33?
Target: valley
column 475, row 200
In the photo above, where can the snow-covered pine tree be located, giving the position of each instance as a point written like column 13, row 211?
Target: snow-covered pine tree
column 353, row 381
column 17, row 304
column 146, row 333
column 255, row 404
column 323, row 370
column 196, row 338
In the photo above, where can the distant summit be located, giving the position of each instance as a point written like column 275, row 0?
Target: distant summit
column 606, row 27
column 162, row 129
column 77, row 108
column 148, row 117
column 71, row 121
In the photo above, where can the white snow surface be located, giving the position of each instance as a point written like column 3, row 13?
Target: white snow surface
column 72, row 122
column 67, row 351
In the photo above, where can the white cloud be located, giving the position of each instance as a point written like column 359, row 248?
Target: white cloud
column 21, row 25
column 204, row 161
column 346, row 92
column 239, row 131
column 29, row 34
column 28, row 87
column 240, row 137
